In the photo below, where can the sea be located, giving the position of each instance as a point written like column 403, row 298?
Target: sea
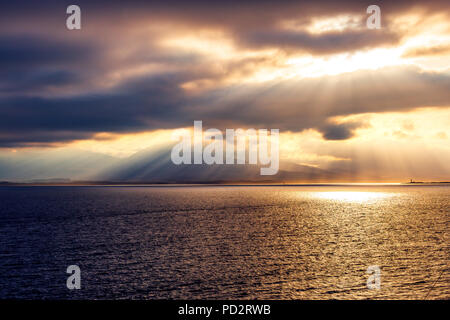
column 226, row 242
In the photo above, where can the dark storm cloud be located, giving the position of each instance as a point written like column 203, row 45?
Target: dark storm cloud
column 342, row 131
column 20, row 52
column 40, row 138
column 158, row 102
column 15, row 82
column 337, row 132
column 139, row 105
column 33, row 62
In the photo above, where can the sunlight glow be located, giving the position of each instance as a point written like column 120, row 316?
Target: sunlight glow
column 351, row 196
column 124, row 145
column 322, row 25
column 343, row 63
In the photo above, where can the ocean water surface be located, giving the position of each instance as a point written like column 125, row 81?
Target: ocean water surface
column 225, row 242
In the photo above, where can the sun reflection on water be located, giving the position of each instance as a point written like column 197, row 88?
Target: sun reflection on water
column 351, row 196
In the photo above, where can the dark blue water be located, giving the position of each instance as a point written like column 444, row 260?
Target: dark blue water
column 224, row 242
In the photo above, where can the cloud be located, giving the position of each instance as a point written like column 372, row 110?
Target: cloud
column 133, row 107
column 325, row 43
column 33, row 63
column 296, row 105
column 25, row 51
column 116, row 76
column 158, row 102
column 37, row 80
column 251, row 23
column 427, row 51
column 338, row 131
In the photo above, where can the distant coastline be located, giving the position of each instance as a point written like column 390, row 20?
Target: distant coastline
column 67, row 182
column 426, row 182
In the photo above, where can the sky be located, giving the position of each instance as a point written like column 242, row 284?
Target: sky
column 361, row 104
